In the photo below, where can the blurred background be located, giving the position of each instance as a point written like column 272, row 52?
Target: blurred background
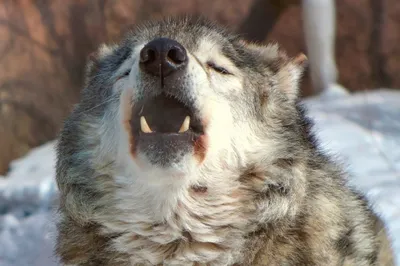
column 44, row 45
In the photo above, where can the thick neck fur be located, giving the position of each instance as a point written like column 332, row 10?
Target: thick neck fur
column 195, row 223
column 209, row 222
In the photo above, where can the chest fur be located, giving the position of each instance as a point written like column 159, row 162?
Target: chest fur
column 199, row 229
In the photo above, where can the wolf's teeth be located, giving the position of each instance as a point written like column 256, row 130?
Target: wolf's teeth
column 144, row 126
column 185, row 125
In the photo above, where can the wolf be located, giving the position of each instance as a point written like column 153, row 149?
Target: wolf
column 190, row 146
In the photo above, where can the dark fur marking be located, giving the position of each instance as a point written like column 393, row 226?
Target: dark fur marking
column 264, row 98
column 187, row 236
column 302, row 254
column 285, row 162
column 345, row 244
column 199, row 189
column 372, row 257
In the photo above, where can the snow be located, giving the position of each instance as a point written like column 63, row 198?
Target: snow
column 27, row 195
column 361, row 130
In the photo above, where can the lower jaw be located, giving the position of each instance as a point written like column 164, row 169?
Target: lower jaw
column 165, row 150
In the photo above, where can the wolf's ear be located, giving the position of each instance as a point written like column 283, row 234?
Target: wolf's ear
column 286, row 72
column 94, row 58
column 289, row 75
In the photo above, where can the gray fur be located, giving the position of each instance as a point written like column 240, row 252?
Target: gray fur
column 268, row 195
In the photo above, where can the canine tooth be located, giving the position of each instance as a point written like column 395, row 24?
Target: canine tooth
column 185, row 125
column 144, row 126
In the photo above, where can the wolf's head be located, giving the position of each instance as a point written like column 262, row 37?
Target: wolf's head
column 183, row 103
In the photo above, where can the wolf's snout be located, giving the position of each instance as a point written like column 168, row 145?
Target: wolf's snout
column 163, row 56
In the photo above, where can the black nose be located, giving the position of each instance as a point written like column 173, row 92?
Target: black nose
column 162, row 57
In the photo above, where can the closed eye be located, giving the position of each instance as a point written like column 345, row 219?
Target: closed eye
column 124, row 74
column 218, row 69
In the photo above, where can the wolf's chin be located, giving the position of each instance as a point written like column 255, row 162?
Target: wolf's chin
column 162, row 174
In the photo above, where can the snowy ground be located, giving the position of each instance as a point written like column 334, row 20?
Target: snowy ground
column 362, row 130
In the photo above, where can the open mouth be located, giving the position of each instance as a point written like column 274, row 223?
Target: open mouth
column 164, row 115
column 165, row 128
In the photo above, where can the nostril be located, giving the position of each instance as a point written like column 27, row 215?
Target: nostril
column 176, row 55
column 147, row 54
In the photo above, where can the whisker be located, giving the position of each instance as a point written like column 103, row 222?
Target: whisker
column 98, row 105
